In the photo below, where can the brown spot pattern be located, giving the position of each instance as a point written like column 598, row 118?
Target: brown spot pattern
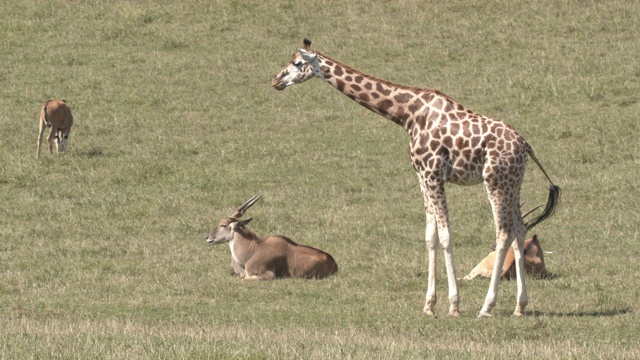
column 384, row 105
column 382, row 89
column 449, row 143
column 403, row 98
column 417, row 105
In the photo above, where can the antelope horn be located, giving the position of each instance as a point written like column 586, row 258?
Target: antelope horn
column 532, row 210
column 247, row 204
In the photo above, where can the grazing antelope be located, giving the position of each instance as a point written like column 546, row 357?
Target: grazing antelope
column 55, row 114
column 275, row 256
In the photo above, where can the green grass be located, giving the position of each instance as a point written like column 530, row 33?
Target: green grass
column 103, row 252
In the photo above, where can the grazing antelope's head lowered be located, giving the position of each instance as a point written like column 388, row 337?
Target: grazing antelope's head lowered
column 227, row 226
column 56, row 115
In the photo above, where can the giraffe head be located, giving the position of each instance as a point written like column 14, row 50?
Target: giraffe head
column 303, row 66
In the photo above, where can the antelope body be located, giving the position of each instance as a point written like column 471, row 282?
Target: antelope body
column 275, row 256
column 55, row 114
column 533, row 263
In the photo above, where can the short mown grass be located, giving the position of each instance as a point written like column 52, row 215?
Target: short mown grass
column 103, row 252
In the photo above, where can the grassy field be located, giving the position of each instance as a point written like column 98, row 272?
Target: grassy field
column 103, row 253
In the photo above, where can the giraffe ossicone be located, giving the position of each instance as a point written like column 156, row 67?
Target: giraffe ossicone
column 448, row 143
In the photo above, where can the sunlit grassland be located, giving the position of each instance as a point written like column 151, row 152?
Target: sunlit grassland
column 103, row 252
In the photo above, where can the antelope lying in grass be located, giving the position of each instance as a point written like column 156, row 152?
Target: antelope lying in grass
column 533, row 263
column 275, row 256
column 533, row 259
column 55, row 114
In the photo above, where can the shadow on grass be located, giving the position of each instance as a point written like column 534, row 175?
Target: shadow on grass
column 597, row 313
column 92, row 153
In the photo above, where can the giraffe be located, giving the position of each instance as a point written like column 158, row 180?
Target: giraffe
column 448, row 143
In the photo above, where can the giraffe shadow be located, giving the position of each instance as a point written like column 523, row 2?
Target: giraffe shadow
column 595, row 313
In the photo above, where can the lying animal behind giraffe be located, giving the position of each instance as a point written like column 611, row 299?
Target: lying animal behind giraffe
column 449, row 143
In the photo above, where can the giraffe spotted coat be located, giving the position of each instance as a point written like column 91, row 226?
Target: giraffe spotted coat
column 448, row 143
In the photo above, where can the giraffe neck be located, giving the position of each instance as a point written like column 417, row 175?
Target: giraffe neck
column 398, row 103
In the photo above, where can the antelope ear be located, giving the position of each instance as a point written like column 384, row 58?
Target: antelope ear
column 243, row 223
column 308, row 56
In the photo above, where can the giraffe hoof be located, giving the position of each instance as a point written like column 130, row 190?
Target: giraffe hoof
column 453, row 314
column 518, row 314
column 484, row 315
column 428, row 312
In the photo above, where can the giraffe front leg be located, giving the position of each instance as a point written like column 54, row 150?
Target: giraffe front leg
column 447, row 245
column 438, row 203
column 432, row 247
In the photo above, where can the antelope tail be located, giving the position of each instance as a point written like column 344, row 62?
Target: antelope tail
column 552, row 201
column 46, row 119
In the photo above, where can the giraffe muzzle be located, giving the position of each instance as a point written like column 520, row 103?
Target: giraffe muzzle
column 277, row 83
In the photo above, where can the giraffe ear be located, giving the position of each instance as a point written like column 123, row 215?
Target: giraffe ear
column 306, row 44
column 307, row 55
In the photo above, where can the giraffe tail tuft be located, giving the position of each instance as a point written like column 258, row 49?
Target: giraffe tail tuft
column 550, row 208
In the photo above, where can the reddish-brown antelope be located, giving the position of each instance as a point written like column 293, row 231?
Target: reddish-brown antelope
column 55, row 114
column 275, row 256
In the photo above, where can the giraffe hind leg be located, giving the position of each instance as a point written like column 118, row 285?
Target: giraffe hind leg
column 518, row 246
column 509, row 225
column 502, row 246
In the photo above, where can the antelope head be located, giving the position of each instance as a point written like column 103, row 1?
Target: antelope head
column 224, row 231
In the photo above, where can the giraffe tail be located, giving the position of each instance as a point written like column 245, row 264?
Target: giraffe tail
column 549, row 209
column 552, row 201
